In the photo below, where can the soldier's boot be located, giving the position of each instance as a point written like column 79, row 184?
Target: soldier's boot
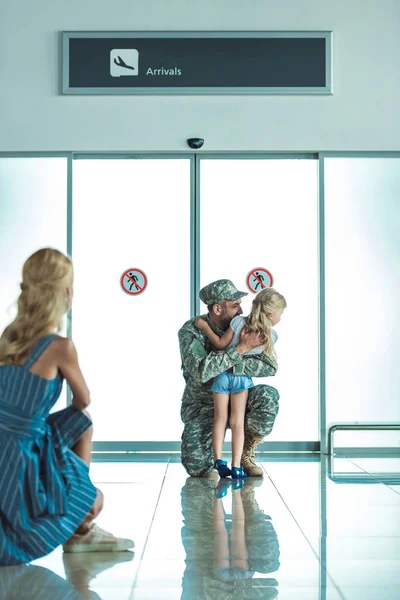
column 212, row 475
column 247, row 461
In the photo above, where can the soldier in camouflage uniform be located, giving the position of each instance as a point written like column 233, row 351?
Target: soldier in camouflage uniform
column 200, row 364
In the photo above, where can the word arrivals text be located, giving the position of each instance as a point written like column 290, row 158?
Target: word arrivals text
column 162, row 71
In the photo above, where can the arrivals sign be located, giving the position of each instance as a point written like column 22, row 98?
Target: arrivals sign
column 257, row 62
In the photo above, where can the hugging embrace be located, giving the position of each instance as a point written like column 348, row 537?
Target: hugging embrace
column 221, row 352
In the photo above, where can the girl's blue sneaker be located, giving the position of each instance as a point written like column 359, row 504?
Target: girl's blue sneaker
column 222, row 468
column 238, row 473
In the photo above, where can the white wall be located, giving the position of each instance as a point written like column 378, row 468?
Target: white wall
column 363, row 113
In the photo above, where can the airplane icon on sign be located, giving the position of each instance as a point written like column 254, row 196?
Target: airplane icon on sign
column 124, row 62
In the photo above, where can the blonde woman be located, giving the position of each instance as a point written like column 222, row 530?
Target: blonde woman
column 46, row 495
column 266, row 312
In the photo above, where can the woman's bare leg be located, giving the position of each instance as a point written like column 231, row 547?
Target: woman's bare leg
column 238, row 410
column 221, row 402
column 83, row 447
column 92, row 514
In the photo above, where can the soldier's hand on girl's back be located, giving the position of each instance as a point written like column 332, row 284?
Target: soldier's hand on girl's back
column 248, row 341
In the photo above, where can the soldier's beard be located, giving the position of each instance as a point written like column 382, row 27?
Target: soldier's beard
column 225, row 321
column 222, row 321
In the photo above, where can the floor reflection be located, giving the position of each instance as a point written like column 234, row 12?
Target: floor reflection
column 31, row 582
column 82, row 569
column 34, row 583
column 337, row 520
column 227, row 551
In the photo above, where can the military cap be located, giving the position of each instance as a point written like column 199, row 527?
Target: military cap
column 215, row 292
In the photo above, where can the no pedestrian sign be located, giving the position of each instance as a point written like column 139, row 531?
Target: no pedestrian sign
column 259, row 279
column 133, row 281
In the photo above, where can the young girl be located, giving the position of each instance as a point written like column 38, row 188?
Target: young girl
column 46, row 495
column 266, row 312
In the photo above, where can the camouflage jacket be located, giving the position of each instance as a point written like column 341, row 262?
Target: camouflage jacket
column 200, row 364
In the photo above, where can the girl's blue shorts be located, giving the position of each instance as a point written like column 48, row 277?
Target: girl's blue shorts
column 228, row 383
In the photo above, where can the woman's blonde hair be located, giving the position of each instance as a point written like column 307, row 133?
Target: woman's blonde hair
column 42, row 303
column 267, row 302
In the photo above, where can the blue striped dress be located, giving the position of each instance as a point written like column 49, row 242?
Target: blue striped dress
column 45, row 489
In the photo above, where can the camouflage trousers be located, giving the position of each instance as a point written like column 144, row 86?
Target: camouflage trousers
column 196, row 450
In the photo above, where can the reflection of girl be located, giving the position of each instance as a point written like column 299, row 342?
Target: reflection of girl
column 233, row 564
column 46, row 495
column 202, row 512
column 266, row 312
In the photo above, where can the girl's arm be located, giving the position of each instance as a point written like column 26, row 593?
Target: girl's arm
column 219, row 342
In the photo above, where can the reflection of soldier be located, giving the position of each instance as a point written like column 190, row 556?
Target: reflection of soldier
column 136, row 278
column 224, row 553
column 259, row 279
column 200, row 365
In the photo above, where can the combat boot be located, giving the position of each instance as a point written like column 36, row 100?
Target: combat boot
column 247, row 462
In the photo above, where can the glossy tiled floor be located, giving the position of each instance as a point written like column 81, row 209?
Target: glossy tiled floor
column 309, row 530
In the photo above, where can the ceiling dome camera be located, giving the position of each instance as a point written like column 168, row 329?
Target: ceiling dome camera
column 195, row 143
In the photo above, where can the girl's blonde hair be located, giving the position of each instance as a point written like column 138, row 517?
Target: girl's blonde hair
column 266, row 302
column 42, row 303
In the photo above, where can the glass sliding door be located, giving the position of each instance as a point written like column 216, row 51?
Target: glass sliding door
column 33, row 215
column 254, row 213
column 132, row 214
column 362, row 235
column 263, row 214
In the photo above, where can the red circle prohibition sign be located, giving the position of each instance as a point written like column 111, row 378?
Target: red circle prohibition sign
column 253, row 274
column 138, row 290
